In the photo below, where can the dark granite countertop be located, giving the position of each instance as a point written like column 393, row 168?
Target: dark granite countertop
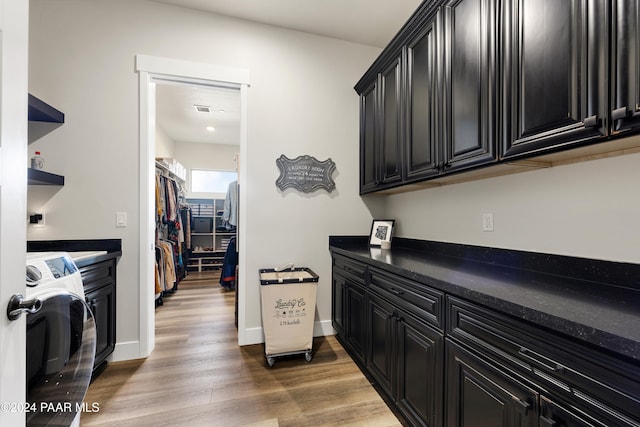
column 590, row 300
column 83, row 251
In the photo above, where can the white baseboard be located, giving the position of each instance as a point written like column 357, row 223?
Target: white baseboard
column 127, row 351
column 323, row 329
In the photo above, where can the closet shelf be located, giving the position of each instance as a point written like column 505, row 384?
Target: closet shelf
column 39, row 177
column 43, row 118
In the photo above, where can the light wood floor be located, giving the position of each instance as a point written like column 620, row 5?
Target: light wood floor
column 197, row 375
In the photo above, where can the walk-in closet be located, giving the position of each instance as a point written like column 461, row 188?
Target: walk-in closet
column 197, row 137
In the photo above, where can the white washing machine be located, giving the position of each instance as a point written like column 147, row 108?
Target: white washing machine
column 61, row 340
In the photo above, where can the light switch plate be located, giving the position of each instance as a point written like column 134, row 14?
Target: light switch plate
column 121, row 219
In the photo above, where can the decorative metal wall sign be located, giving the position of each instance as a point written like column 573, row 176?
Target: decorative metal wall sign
column 305, row 173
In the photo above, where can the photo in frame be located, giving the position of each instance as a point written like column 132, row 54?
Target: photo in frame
column 381, row 231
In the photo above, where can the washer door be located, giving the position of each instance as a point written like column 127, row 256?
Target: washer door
column 61, row 346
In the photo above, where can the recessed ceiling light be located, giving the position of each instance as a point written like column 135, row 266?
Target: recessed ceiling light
column 202, row 108
column 220, row 111
column 210, row 128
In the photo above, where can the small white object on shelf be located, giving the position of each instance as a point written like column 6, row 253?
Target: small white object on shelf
column 37, row 162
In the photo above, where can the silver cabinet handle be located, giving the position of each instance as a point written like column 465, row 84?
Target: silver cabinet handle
column 18, row 305
column 620, row 113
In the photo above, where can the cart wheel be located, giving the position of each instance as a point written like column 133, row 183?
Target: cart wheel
column 271, row 361
column 308, row 356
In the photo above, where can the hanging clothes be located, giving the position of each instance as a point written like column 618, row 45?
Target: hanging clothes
column 230, row 207
column 170, row 236
column 229, row 264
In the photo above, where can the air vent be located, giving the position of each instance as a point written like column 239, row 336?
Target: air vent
column 202, row 108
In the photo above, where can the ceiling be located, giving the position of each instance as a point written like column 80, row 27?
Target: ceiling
column 177, row 116
column 368, row 22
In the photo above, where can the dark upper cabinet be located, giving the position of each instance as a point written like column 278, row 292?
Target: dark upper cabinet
column 381, row 130
column 625, row 71
column 469, row 134
column 368, row 123
column 555, row 74
column 423, row 90
column 390, row 135
column 470, row 83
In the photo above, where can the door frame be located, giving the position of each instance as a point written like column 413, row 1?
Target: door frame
column 152, row 69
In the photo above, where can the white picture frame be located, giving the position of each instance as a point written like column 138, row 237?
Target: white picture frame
column 381, row 231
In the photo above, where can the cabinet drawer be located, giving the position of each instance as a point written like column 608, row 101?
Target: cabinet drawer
column 567, row 368
column 423, row 301
column 95, row 276
column 349, row 267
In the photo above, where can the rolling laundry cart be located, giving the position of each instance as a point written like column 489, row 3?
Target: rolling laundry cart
column 288, row 311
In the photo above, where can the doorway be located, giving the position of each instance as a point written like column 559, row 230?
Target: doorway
column 197, row 150
column 153, row 71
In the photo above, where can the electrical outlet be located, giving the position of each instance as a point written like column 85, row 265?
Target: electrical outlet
column 36, row 220
column 487, row 221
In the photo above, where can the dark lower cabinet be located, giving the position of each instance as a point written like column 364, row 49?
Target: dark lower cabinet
column 381, row 352
column 348, row 310
column 402, row 349
column 102, row 303
column 535, row 376
column 481, row 394
column 355, row 330
column 419, row 356
column 99, row 281
column 441, row 360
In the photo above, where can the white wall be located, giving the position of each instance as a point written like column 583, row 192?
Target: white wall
column 588, row 209
column 164, row 144
column 301, row 101
column 194, row 155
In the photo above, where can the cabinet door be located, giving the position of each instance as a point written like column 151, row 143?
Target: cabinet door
column 368, row 124
column 470, row 83
column 390, row 132
column 420, row 372
column 625, row 70
column 355, row 311
column 381, row 360
column 423, row 89
column 555, row 74
column 481, row 395
column 102, row 305
column 337, row 304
